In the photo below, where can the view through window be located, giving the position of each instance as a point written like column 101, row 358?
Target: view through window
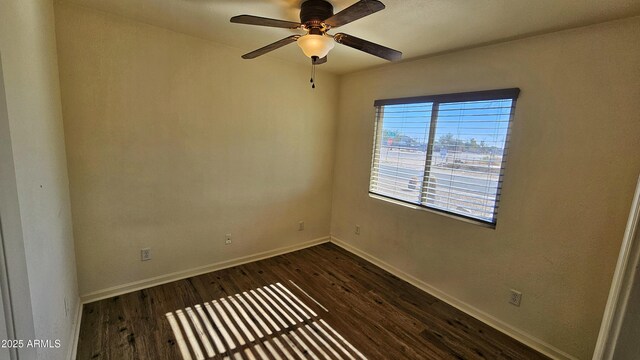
column 444, row 152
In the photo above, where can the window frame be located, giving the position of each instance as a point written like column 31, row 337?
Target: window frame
column 484, row 95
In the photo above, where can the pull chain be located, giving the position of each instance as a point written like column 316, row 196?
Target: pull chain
column 313, row 71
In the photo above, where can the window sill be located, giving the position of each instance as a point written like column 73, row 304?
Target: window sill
column 420, row 208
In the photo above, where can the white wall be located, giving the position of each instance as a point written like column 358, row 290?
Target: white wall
column 569, row 180
column 39, row 189
column 174, row 141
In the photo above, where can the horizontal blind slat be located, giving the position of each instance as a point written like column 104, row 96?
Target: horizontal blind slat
column 465, row 161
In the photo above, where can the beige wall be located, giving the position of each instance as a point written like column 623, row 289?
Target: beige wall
column 174, row 141
column 35, row 203
column 569, row 180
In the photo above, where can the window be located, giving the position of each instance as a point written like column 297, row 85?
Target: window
column 444, row 152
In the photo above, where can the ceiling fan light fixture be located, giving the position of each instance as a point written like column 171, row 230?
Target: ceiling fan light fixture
column 317, row 17
column 316, row 45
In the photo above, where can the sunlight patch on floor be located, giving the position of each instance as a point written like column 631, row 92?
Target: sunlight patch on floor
column 269, row 322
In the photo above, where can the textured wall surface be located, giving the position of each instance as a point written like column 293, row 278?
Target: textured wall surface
column 30, row 70
column 174, row 141
column 568, row 185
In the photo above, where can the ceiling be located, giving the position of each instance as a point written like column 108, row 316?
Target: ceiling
column 418, row 28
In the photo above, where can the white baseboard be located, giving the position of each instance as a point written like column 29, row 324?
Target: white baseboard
column 179, row 275
column 497, row 324
column 75, row 333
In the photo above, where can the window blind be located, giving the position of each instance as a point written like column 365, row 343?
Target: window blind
column 444, row 152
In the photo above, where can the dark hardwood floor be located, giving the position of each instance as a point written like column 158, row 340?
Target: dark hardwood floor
column 320, row 302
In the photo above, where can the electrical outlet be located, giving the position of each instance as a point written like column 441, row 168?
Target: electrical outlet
column 145, row 254
column 301, row 226
column 515, row 297
column 227, row 239
column 357, row 229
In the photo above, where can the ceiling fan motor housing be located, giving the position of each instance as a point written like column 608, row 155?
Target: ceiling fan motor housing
column 314, row 12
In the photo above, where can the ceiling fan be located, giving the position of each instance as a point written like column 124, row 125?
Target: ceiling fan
column 316, row 18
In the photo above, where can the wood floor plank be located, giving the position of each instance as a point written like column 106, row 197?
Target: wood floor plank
column 329, row 304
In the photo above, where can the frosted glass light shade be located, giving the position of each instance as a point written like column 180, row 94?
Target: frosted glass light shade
column 316, row 45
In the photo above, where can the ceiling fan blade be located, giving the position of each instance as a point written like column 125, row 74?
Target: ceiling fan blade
column 354, row 12
column 320, row 61
column 368, row 47
column 278, row 44
column 262, row 21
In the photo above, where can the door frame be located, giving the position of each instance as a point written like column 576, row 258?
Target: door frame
column 621, row 285
column 14, row 278
column 6, row 310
